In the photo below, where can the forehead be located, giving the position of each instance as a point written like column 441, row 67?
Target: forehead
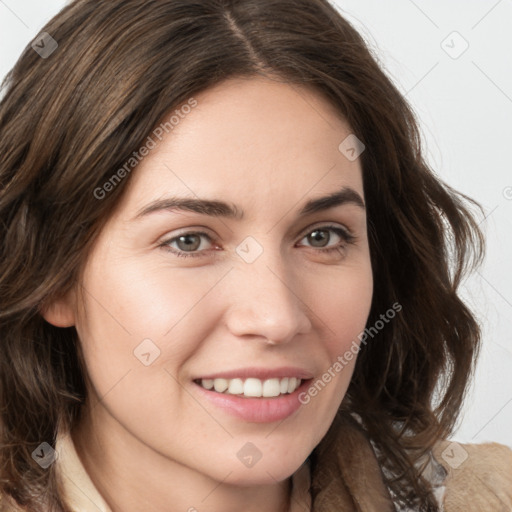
column 250, row 142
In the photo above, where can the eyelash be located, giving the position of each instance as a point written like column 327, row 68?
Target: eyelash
column 347, row 238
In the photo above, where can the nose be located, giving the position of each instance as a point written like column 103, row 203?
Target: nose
column 264, row 304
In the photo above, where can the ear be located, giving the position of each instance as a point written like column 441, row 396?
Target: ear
column 59, row 312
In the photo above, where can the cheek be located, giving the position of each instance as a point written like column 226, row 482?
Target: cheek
column 343, row 304
column 132, row 298
column 133, row 309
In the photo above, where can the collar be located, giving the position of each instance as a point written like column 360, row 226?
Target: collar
column 79, row 491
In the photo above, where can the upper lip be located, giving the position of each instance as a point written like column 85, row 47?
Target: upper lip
column 261, row 373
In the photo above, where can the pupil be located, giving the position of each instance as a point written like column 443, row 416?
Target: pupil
column 186, row 240
column 314, row 236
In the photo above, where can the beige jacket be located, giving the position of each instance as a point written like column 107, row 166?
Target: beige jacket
column 482, row 483
column 478, row 479
column 475, row 477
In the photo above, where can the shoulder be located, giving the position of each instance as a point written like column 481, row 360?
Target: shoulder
column 479, row 476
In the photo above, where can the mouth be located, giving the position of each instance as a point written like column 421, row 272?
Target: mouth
column 252, row 387
column 261, row 394
column 254, row 400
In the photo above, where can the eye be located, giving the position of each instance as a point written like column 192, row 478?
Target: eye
column 189, row 243
column 320, row 237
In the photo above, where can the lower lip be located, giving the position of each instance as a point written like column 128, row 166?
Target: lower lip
column 257, row 410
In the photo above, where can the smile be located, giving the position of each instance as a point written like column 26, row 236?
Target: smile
column 252, row 387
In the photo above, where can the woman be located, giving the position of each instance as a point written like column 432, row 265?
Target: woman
column 229, row 278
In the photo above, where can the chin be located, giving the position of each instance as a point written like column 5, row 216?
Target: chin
column 255, row 477
column 267, row 470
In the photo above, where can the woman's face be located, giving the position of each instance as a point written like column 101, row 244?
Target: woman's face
column 272, row 292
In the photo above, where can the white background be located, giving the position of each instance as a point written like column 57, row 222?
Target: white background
column 464, row 105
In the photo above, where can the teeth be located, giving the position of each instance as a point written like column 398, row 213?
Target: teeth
column 220, row 385
column 271, row 387
column 236, row 387
column 253, row 387
column 207, row 383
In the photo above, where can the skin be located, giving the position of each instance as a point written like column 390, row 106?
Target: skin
column 148, row 438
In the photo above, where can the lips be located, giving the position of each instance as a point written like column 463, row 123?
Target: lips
column 255, row 409
column 255, row 394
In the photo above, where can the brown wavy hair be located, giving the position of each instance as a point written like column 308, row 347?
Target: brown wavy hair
column 69, row 121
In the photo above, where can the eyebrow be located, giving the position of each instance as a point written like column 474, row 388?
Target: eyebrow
column 216, row 208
